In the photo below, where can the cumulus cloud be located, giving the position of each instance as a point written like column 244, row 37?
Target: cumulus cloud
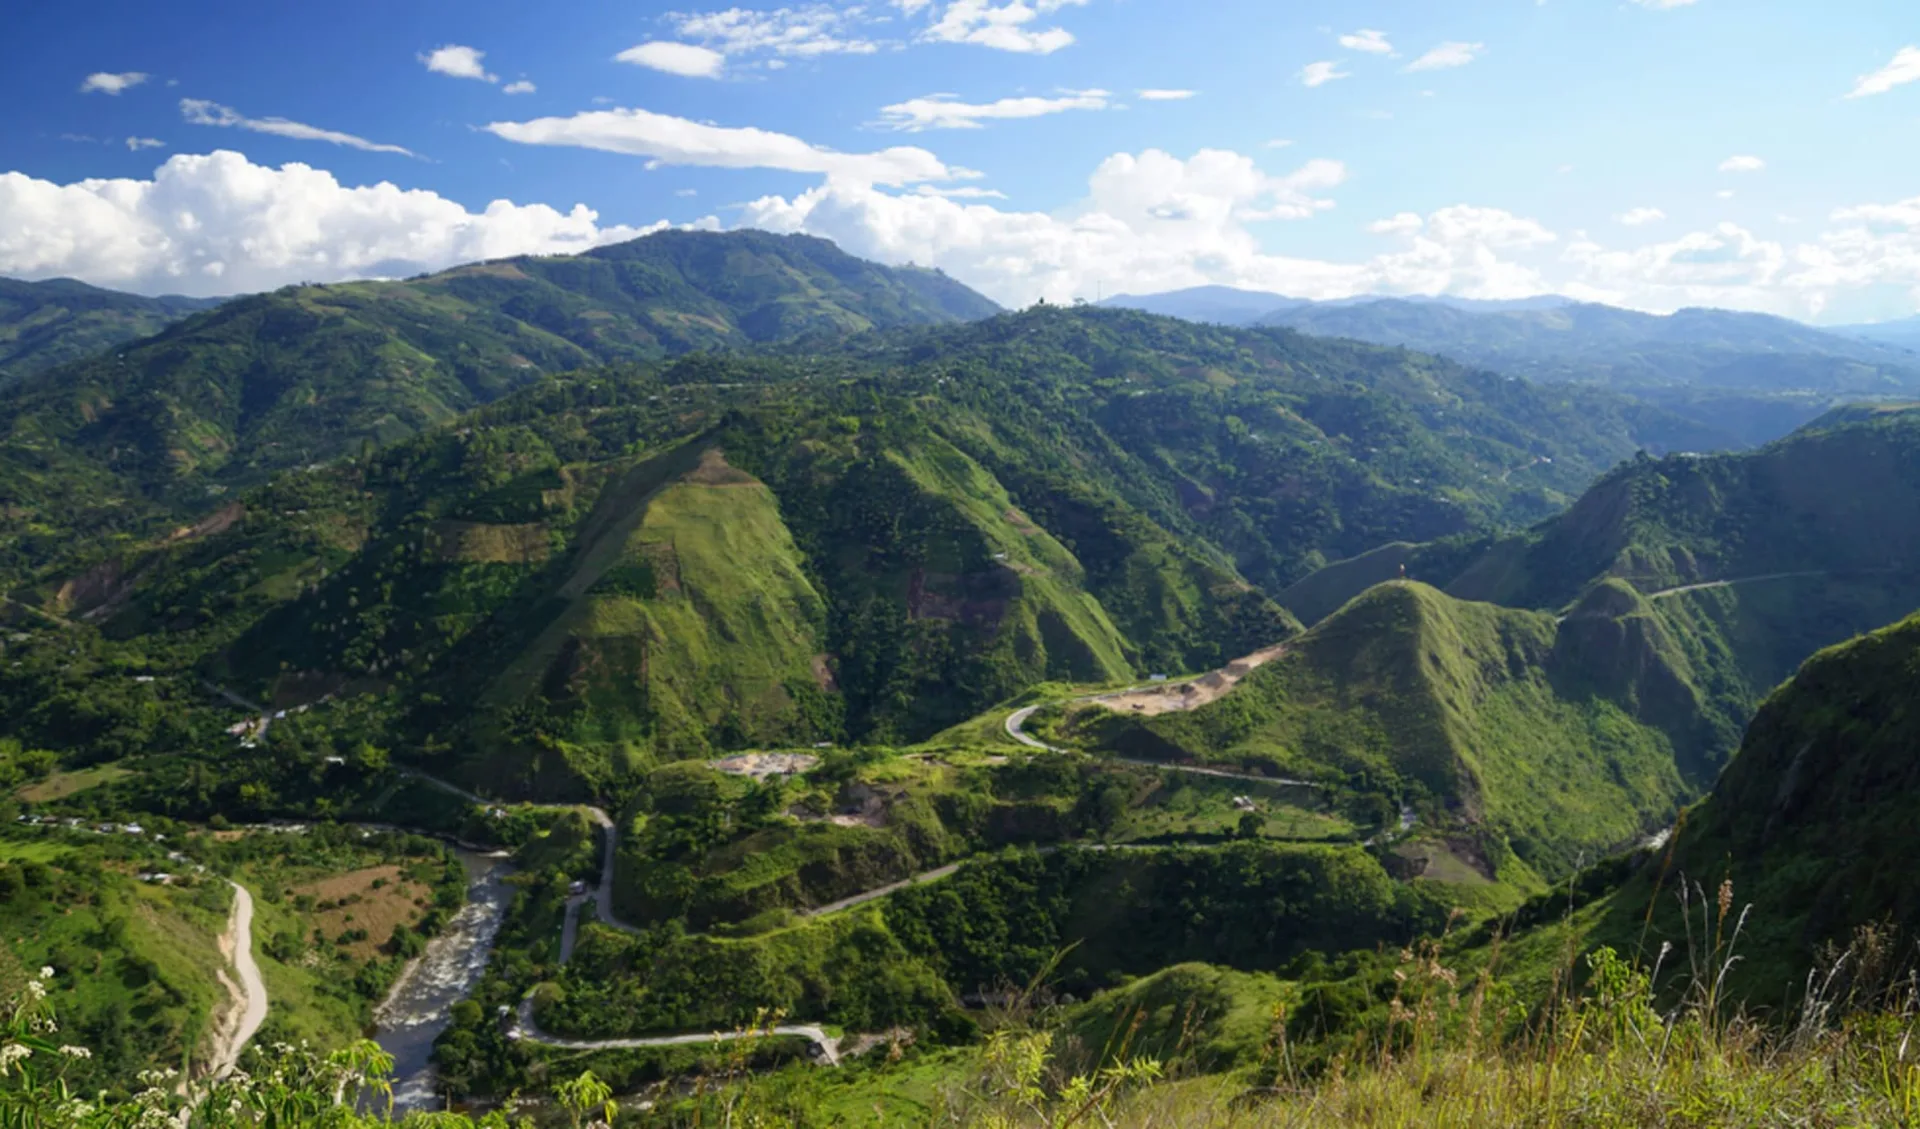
column 667, row 140
column 520, row 87
column 1447, row 56
column 1149, row 221
column 456, row 61
column 1004, row 27
column 1319, row 74
column 198, row 112
column 103, row 82
column 1165, row 95
column 1368, row 40
column 1637, row 217
column 943, row 111
column 219, row 224
column 685, row 59
column 1742, row 164
column 1904, row 68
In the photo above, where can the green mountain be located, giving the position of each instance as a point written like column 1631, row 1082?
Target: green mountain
column 307, row 374
column 1824, row 509
column 877, row 542
column 1806, row 819
column 47, row 324
column 1697, row 348
column 1530, row 736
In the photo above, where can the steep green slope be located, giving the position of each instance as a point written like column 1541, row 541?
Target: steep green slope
column 1808, row 822
column 307, row 374
column 1552, row 739
column 46, row 324
column 1829, row 507
column 944, row 518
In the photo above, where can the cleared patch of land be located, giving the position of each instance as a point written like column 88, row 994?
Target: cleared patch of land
column 1171, row 697
column 63, row 784
column 367, row 904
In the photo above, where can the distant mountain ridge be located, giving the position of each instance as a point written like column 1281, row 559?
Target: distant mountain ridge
column 306, row 374
column 1692, row 353
column 50, row 323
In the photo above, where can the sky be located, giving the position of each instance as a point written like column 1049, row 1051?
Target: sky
column 1750, row 154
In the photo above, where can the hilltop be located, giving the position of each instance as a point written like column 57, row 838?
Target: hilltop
column 47, row 324
column 874, row 543
column 308, row 374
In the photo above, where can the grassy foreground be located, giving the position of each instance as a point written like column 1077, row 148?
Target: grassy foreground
column 1455, row 1051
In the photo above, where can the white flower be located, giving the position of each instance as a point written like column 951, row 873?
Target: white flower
column 76, row 1052
column 36, row 990
column 46, row 972
column 12, row 1053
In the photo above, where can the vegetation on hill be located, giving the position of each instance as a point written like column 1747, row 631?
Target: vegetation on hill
column 47, row 324
column 1622, row 348
column 623, row 567
column 308, row 374
column 1546, row 741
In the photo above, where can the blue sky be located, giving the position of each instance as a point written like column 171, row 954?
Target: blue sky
column 1655, row 153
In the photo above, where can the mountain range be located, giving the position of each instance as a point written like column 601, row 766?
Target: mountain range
column 1141, row 642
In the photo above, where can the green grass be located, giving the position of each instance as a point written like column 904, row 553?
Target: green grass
column 63, row 784
column 1470, row 708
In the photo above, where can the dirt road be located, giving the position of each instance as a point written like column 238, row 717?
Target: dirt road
column 249, row 1009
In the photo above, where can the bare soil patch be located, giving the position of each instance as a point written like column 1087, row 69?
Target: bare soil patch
column 1173, row 697
column 351, row 902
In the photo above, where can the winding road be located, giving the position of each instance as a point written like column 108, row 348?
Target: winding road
column 1016, row 729
column 237, row 1027
column 824, row 1044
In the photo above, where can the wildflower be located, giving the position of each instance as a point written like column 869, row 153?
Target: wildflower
column 36, row 990
column 76, row 1052
column 12, row 1053
column 46, row 972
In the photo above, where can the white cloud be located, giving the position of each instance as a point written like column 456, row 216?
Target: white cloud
column 668, row 140
column 1368, row 40
column 138, row 143
column 458, row 62
column 1742, row 164
column 104, row 82
column 1904, row 68
column 964, row 192
column 199, row 112
column 1003, row 27
column 219, row 224
column 1165, row 95
column 1638, row 217
column 520, row 87
column 686, row 193
column 1319, row 74
column 1726, row 266
column 1724, row 194
column 1149, row 222
column 806, row 31
column 1448, row 55
column 684, row 59
column 1279, row 143
column 1663, row 5
column 942, row 111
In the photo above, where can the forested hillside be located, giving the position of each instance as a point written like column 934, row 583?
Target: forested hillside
column 308, row 374
column 46, row 324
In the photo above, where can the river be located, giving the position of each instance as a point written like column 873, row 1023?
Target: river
column 421, row 1003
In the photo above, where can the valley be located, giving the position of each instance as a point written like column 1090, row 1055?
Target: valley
column 750, row 674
